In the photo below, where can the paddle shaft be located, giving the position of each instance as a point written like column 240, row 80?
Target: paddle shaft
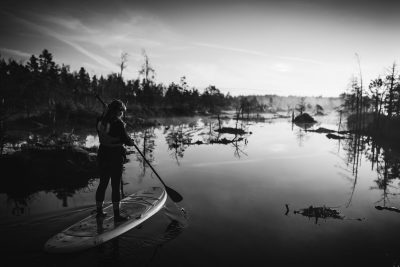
column 148, row 163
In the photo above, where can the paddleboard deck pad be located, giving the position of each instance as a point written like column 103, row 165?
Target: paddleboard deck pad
column 93, row 231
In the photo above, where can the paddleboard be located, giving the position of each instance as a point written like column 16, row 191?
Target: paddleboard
column 93, row 231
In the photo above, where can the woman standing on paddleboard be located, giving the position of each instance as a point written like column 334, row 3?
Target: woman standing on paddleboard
column 111, row 156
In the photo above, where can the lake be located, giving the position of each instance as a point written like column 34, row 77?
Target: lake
column 234, row 209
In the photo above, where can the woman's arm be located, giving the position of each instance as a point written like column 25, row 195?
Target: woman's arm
column 124, row 136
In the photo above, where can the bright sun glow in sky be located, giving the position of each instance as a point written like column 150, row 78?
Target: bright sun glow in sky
column 303, row 47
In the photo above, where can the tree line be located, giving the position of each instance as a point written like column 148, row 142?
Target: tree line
column 379, row 100
column 40, row 85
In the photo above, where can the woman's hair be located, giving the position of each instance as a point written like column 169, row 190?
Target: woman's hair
column 113, row 110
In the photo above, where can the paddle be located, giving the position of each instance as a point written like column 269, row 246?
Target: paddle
column 175, row 196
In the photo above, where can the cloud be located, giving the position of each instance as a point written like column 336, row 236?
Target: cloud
column 306, row 60
column 42, row 29
column 113, row 37
column 282, row 67
column 70, row 23
column 15, row 52
column 92, row 67
column 246, row 51
column 257, row 53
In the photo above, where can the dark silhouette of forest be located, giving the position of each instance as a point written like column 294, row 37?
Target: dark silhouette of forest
column 375, row 109
column 40, row 85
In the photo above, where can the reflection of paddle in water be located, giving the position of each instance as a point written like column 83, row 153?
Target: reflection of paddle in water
column 178, row 223
column 174, row 229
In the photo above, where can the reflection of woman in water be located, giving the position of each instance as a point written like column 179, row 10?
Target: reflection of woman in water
column 111, row 156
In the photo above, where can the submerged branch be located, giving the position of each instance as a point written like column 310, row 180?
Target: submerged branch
column 320, row 212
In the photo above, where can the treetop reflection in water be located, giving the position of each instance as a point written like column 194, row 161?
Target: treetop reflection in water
column 384, row 160
column 180, row 137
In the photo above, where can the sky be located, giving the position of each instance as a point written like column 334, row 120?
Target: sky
column 286, row 47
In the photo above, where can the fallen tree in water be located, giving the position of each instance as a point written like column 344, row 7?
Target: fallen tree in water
column 331, row 133
column 322, row 130
column 223, row 141
column 230, row 130
column 320, row 213
column 335, row 136
column 387, row 208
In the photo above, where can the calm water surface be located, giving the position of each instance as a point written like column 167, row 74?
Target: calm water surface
column 234, row 202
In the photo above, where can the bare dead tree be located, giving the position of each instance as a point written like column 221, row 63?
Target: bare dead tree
column 146, row 69
column 123, row 62
column 360, row 115
column 390, row 84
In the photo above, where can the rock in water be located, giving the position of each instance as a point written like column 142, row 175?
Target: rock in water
column 304, row 118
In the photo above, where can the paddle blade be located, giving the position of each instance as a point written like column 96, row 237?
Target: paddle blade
column 175, row 196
